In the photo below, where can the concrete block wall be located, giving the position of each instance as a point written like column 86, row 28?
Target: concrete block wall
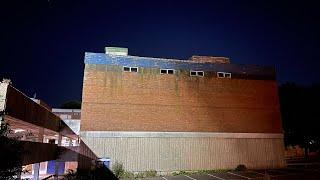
column 166, row 154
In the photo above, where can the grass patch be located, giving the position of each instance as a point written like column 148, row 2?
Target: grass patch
column 139, row 175
column 186, row 172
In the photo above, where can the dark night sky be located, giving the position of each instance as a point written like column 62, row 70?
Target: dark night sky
column 43, row 42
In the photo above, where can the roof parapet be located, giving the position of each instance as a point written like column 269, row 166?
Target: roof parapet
column 118, row 51
column 210, row 59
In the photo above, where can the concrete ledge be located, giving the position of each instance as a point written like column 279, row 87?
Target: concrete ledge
column 135, row 134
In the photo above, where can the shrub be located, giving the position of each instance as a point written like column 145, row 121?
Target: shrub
column 117, row 169
column 11, row 151
column 241, row 167
column 71, row 175
column 176, row 173
column 151, row 173
column 140, row 175
column 127, row 175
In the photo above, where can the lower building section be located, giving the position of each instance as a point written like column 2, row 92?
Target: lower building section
column 170, row 151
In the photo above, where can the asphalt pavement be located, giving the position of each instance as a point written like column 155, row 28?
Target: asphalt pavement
column 312, row 173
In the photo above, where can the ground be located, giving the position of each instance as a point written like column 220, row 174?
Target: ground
column 307, row 172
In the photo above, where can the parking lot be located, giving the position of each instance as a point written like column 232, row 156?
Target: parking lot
column 309, row 172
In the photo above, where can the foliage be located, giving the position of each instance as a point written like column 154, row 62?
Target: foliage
column 120, row 173
column 150, row 173
column 10, row 155
column 97, row 173
column 145, row 174
column 71, row 105
column 127, row 175
column 117, row 169
column 241, row 167
column 176, row 173
column 71, row 175
column 139, row 175
column 183, row 172
column 79, row 175
column 299, row 113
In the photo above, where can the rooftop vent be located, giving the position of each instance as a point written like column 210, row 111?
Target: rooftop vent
column 210, row 59
column 119, row 51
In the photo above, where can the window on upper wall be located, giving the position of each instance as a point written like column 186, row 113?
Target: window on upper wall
column 200, row 73
column 126, row 68
column 223, row 75
column 134, row 69
column 193, row 73
column 130, row 69
column 170, row 71
column 163, row 71
column 166, row 71
column 227, row 75
column 196, row 73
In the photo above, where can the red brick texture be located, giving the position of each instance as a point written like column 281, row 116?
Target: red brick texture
column 113, row 100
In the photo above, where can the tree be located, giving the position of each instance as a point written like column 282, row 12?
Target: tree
column 299, row 111
column 71, row 105
column 10, row 155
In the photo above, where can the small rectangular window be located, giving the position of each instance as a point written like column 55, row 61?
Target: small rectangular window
column 227, row 75
column 166, row 71
column 126, row 68
column 223, row 75
column 196, row 73
column 193, row 73
column 220, row 74
column 200, row 73
column 130, row 69
column 163, row 71
column 170, row 71
column 134, row 69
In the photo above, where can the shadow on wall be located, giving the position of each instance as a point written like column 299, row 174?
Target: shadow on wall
column 100, row 172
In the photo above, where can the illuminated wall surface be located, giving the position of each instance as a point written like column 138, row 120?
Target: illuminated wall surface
column 148, row 120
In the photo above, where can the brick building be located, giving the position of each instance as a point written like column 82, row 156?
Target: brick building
column 168, row 114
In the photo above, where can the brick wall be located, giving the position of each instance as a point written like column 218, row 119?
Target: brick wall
column 148, row 101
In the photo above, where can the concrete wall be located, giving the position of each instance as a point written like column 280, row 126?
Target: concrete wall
column 187, row 151
column 3, row 95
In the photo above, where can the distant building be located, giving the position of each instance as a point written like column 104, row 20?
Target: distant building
column 168, row 114
column 70, row 116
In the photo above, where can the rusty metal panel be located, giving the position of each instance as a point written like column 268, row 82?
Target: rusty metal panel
column 38, row 152
column 34, row 152
column 22, row 107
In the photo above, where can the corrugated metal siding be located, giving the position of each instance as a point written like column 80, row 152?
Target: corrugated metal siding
column 168, row 154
